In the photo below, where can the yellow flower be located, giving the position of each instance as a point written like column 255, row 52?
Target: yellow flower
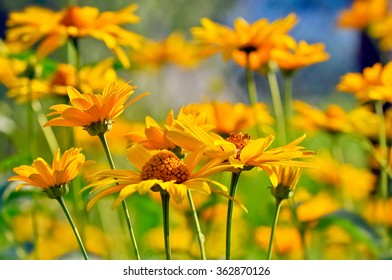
column 173, row 49
column 153, row 136
column 362, row 13
column 228, row 117
column 314, row 207
column 310, row 118
column 90, row 78
column 287, row 241
column 374, row 83
column 249, row 45
column 160, row 171
column 382, row 31
column 52, row 29
column 293, row 56
column 52, row 179
column 353, row 182
column 94, row 112
column 285, row 181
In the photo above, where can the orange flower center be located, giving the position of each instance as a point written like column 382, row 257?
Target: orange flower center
column 64, row 76
column 75, row 18
column 240, row 140
column 247, row 49
column 165, row 166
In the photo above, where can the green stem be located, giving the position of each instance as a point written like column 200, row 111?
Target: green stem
column 165, row 197
column 47, row 131
column 278, row 108
column 200, row 235
column 288, row 103
column 250, row 80
column 274, row 223
column 105, row 145
column 230, row 205
column 75, row 230
column 74, row 57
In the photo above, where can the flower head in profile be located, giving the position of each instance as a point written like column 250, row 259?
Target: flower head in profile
column 286, row 181
column 51, row 30
column 292, row 55
column 159, row 171
column 94, row 112
column 249, row 45
column 172, row 50
column 52, row 179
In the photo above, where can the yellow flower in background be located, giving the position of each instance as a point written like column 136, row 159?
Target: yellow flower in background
column 309, row 118
column 172, row 50
column 353, row 182
column 313, row 207
column 51, row 30
column 362, row 13
column 55, row 238
column 90, row 78
column 382, row 31
column 249, row 45
column 377, row 212
column 52, row 179
column 94, row 112
column 287, row 242
column 374, row 83
column 227, row 117
column 292, row 56
column 160, row 171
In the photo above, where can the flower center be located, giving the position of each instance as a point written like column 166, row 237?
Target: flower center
column 240, row 140
column 165, row 166
column 247, row 49
column 64, row 76
column 76, row 19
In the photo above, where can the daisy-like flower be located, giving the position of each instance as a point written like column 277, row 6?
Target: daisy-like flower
column 249, row 45
column 362, row 13
column 94, row 112
column 292, row 55
column 373, row 84
column 172, row 50
column 160, row 171
column 52, row 179
column 51, row 30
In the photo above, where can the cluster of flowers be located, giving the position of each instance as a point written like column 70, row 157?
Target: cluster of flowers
column 183, row 155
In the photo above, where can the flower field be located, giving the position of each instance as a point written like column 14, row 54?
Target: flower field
column 195, row 142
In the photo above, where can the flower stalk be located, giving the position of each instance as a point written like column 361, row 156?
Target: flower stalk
column 199, row 233
column 230, row 205
column 274, row 223
column 71, row 222
column 105, row 145
column 165, row 197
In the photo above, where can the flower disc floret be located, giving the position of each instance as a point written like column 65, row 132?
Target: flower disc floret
column 165, row 166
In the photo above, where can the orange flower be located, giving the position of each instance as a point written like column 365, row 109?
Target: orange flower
column 249, row 45
column 52, row 29
column 294, row 56
column 173, row 49
column 52, row 179
column 94, row 112
column 362, row 13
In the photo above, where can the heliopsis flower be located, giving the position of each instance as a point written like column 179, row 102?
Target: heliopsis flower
column 373, row 84
column 173, row 49
column 53, row 179
column 228, row 117
column 51, row 30
column 249, row 45
column 159, row 171
column 309, row 118
column 285, row 182
column 292, row 56
column 94, row 112
column 382, row 31
column 362, row 13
